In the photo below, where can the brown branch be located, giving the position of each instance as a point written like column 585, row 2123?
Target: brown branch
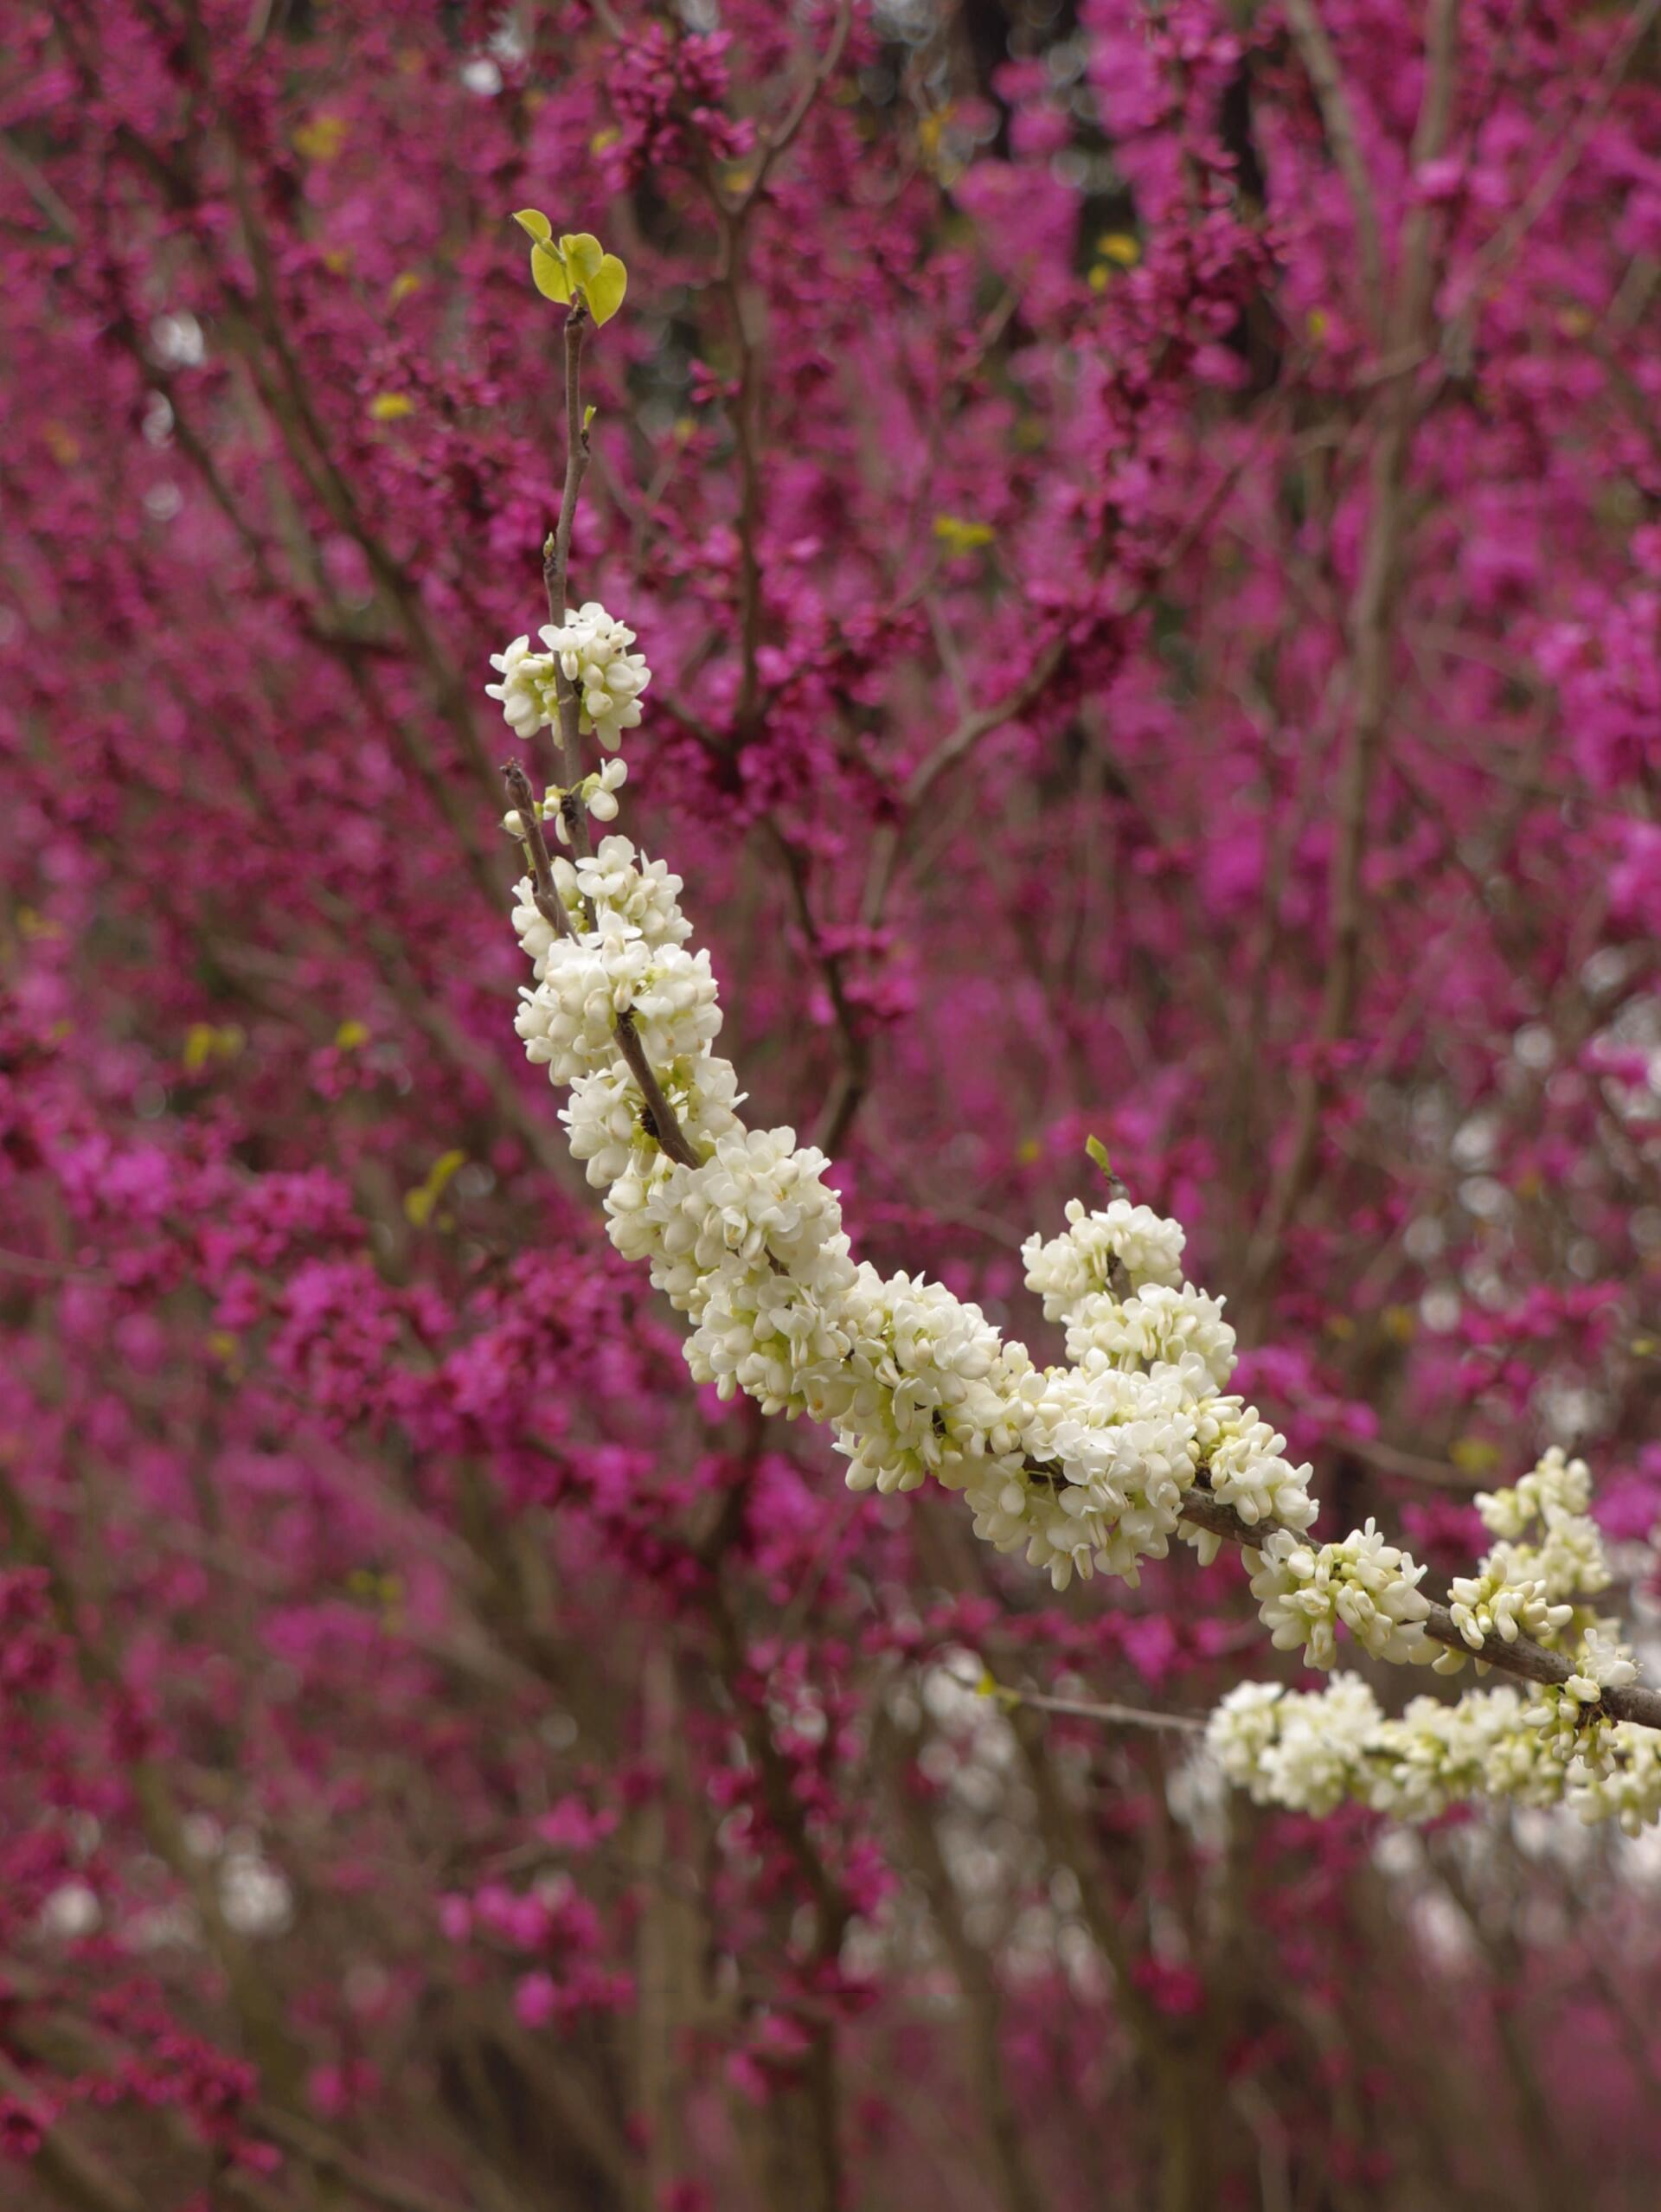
column 328, row 2156
column 1529, row 1661
column 732, row 219
column 549, row 904
column 1398, row 409
column 1126, row 1716
column 1338, row 119
column 659, row 1117
column 556, row 566
column 1491, row 262
column 557, row 555
column 69, row 2168
column 854, row 1074
column 779, row 139
column 255, row 1999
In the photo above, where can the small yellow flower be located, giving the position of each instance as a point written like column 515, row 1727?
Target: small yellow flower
column 959, row 535
column 1474, row 1455
column 932, row 130
column 322, row 138
column 203, row 1043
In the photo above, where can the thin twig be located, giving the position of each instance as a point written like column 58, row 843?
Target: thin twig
column 549, row 904
column 557, row 560
column 67, row 2166
column 658, row 1117
column 322, row 2150
column 56, row 1271
column 1338, row 120
column 1491, row 262
column 779, row 139
column 1398, row 408
column 556, row 569
column 1128, row 1716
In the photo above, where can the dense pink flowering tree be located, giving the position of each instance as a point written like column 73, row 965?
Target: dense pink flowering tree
column 1147, row 524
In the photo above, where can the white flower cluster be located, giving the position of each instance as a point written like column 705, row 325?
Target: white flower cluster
column 1557, row 1486
column 1572, row 1729
column 1548, row 1551
column 1248, row 1469
column 1085, row 1467
column 1072, row 1267
column 1157, row 1324
column 1305, row 1590
column 526, row 690
column 1311, row 1751
column 591, row 650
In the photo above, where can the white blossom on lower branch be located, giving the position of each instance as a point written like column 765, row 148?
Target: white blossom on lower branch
column 1085, row 1467
column 1310, row 1751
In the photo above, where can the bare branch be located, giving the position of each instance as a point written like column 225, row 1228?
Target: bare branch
column 1338, row 119
column 658, row 1118
column 1125, row 1717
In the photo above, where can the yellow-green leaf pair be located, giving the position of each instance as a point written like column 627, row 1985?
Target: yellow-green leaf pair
column 576, row 266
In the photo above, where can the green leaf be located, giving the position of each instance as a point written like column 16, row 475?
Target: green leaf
column 550, row 272
column 588, row 414
column 963, row 535
column 1097, row 1153
column 535, row 222
column 604, row 289
column 583, row 254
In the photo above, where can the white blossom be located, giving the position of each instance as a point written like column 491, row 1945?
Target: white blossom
column 592, row 652
column 1071, row 1267
column 1557, row 1484
column 1087, row 1467
column 526, row 687
column 1246, row 1467
column 1304, row 1591
column 1158, row 1323
column 1548, row 1551
column 1500, row 1599
column 599, row 791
